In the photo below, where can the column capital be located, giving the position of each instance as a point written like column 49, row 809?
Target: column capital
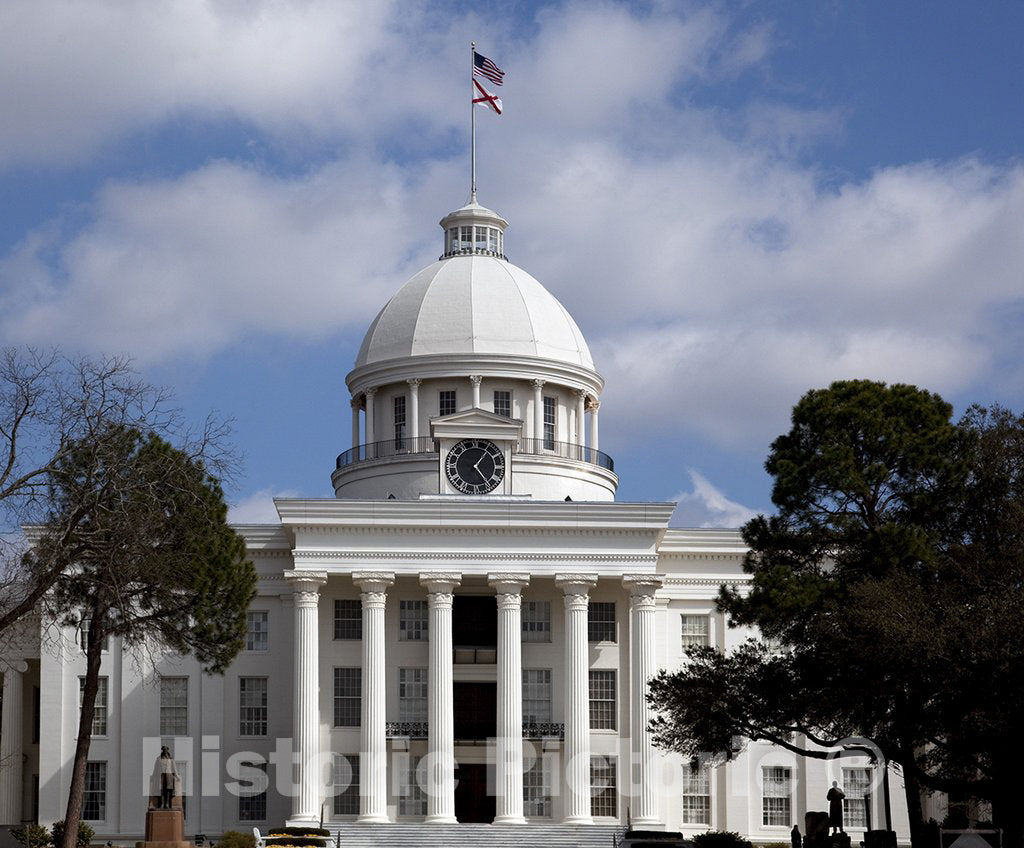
column 581, row 394
column 306, row 586
column 373, row 585
column 370, row 392
column 594, row 404
column 356, row 402
column 576, row 588
column 476, row 379
column 642, row 588
column 17, row 666
column 415, row 382
column 440, row 582
column 537, row 384
column 508, row 583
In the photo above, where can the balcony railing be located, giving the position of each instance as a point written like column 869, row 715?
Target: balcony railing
column 420, row 729
column 426, row 445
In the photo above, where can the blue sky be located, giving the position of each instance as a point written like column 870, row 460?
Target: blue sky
column 736, row 201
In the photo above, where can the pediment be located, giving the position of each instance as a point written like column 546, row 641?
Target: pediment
column 476, row 423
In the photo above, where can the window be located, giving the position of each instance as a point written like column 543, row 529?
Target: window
column 695, row 630
column 256, row 632
column 536, row 695
column 348, row 619
column 536, row 621
column 492, row 239
column 252, row 792
column 412, row 800
column 446, row 402
column 83, row 634
column 412, row 694
column 481, row 238
column 252, row 706
column 856, row 786
column 346, row 784
column 602, row 700
column 467, row 238
column 503, row 403
column 603, row 795
column 94, row 800
column 399, row 403
column 453, row 239
column 549, row 423
column 173, row 706
column 536, row 790
column 99, row 716
column 601, row 621
column 348, row 689
column 412, row 621
column 775, row 797
column 696, row 800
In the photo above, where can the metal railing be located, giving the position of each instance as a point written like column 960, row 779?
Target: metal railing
column 426, row 444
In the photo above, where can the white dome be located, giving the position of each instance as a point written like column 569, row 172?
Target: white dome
column 474, row 304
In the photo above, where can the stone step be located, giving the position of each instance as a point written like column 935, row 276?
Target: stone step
column 418, row 835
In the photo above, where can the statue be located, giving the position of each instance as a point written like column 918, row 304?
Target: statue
column 168, row 778
column 796, row 840
column 835, row 808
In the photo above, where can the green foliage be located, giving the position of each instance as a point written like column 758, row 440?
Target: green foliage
column 721, row 839
column 299, row 831
column 32, row 836
column 85, row 834
column 777, row 845
column 236, row 839
column 891, row 577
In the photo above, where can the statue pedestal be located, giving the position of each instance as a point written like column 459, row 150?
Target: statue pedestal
column 165, row 829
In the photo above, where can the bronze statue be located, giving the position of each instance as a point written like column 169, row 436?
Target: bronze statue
column 835, row 808
column 167, row 778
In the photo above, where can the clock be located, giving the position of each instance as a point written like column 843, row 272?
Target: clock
column 475, row 466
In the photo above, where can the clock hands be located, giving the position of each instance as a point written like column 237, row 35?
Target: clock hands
column 476, row 468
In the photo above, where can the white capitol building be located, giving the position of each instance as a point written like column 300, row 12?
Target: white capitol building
column 463, row 634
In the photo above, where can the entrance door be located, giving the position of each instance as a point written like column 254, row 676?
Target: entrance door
column 472, row 803
column 476, row 710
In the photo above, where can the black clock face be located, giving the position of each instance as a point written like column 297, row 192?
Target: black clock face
column 475, row 466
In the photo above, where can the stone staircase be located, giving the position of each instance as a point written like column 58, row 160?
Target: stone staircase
column 418, row 835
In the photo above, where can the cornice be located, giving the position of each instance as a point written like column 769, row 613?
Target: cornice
column 705, row 581
column 469, row 556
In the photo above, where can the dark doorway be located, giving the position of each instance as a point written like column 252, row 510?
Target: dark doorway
column 474, row 621
column 476, row 710
column 472, row 803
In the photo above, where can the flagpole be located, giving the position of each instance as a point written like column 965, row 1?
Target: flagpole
column 472, row 133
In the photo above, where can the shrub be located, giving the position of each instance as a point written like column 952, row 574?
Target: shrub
column 33, row 836
column 236, row 839
column 776, row 845
column 85, row 834
column 720, row 839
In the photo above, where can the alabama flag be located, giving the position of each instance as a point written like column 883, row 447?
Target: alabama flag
column 491, row 101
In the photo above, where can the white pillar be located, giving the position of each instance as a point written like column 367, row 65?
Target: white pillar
column 538, row 414
column 371, row 435
column 475, row 380
column 577, row 696
column 581, row 422
column 509, row 759
column 595, row 405
column 373, row 775
column 440, row 698
column 414, row 411
column 306, row 700
column 11, row 742
column 643, row 666
column 355, row 422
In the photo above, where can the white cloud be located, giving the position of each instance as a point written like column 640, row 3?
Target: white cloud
column 706, row 506
column 258, row 508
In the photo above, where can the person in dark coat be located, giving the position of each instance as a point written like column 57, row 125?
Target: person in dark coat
column 835, row 808
column 795, row 838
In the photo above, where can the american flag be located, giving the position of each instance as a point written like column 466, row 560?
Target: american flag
column 484, row 67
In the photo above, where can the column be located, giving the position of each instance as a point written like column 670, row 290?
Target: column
column 371, row 435
column 642, row 667
column 538, row 415
column 475, row 380
column 595, row 405
column 306, row 710
column 440, row 698
column 581, row 422
column 414, row 412
column 373, row 774
column 577, row 696
column 509, row 759
column 11, row 742
column 355, row 403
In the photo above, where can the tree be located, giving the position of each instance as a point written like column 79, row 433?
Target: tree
column 137, row 533
column 48, row 404
column 885, row 583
